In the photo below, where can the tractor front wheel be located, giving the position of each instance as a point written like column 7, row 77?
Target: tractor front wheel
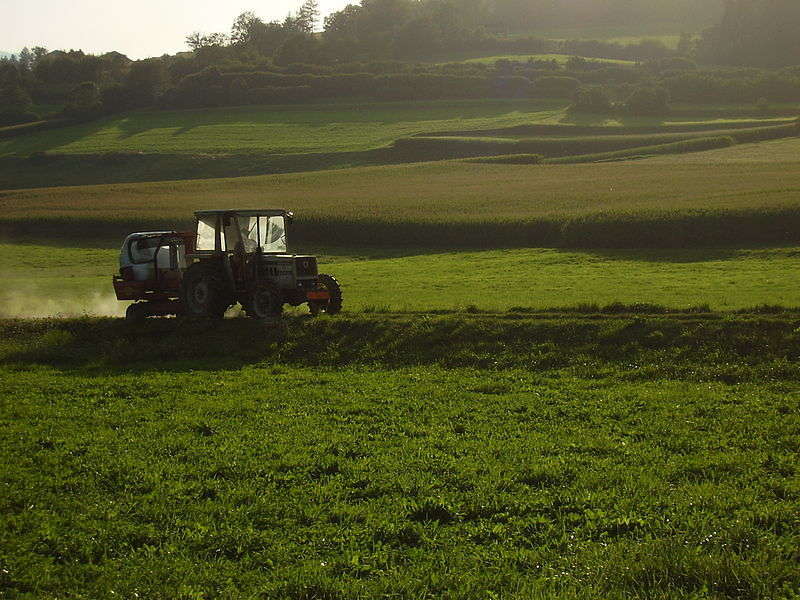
column 264, row 303
column 204, row 292
column 333, row 304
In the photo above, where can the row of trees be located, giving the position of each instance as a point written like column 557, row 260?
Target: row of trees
column 395, row 29
column 288, row 60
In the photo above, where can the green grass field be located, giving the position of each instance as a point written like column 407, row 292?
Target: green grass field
column 309, row 128
column 182, row 463
column 787, row 150
column 396, row 251
column 284, row 130
column 46, row 280
column 242, row 141
column 499, row 450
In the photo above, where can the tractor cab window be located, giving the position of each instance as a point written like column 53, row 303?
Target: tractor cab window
column 206, row 233
column 249, row 233
column 267, row 232
column 231, row 234
column 273, row 234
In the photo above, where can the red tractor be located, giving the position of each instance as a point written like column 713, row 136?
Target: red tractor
column 235, row 256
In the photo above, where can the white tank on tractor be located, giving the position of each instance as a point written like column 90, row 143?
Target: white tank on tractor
column 138, row 255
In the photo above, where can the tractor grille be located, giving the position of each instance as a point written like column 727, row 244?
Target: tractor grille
column 306, row 266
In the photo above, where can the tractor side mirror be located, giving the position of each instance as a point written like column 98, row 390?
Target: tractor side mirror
column 289, row 217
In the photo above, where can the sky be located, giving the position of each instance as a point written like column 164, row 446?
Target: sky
column 138, row 29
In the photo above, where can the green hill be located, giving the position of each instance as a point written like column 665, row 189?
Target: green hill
column 253, row 140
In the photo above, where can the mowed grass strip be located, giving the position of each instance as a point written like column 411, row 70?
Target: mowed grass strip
column 451, row 204
column 279, row 129
column 46, row 280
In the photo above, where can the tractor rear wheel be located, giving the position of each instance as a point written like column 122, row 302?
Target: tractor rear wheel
column 204, row 291
column 264, row 303
column 137, row 313
column 331, row 306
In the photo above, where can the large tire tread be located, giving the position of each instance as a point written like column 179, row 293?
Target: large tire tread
column 334, row 305
column 219, row 295
column 256, row 307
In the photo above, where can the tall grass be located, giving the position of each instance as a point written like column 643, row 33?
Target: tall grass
column 451, row 205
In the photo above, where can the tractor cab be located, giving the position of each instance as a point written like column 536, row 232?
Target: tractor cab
column 242, row 231
column 243, row 256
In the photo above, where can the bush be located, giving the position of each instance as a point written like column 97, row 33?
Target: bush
column 428, row 86
column 14, row 98
column 84, row 101
column 115, row 98
column 648, row 101
column 592, row 100
column 239, row 91
column 511, row 87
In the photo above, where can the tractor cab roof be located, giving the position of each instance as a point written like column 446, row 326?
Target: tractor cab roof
column 248, row 212
column 150, row 234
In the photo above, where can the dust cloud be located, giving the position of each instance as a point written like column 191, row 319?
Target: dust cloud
column 33, row 303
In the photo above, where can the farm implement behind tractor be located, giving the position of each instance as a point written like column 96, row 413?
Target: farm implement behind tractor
column 233, row 256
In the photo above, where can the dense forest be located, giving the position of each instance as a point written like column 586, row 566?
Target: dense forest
column 398, row 50
column 754, row 32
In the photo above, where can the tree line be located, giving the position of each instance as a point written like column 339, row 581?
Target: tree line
column 373, row 49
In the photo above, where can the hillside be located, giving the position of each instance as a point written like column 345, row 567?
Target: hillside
column 253, row 140
column 344, row 127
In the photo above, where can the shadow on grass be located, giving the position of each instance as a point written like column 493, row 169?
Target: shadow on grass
column 736, row 347
column 55, row 170
column 48, row 140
